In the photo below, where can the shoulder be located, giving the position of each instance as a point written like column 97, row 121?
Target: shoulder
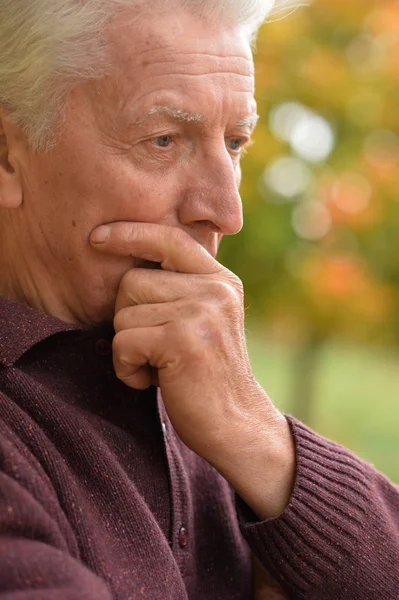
column 20, row 437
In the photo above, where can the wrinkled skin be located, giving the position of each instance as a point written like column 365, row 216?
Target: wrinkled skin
column 178, row 167
column 106, row 168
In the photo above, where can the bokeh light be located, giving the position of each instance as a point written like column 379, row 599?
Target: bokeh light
column 288, row 177
column 310, row 136
column 311, row 221
column 318, row 254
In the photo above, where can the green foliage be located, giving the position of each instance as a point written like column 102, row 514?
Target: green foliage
column 355, row 396
column 340, row 60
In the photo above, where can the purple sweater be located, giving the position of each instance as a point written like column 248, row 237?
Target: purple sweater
column 100, row 500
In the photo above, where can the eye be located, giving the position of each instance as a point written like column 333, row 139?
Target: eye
column 163, row 141
column 236, row 144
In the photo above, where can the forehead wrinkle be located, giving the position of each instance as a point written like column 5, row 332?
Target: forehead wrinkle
column 229, row 63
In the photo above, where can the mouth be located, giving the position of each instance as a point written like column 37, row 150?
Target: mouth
column 148, row 264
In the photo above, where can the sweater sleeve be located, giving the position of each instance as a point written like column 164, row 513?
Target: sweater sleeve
column 338, row 538
column 35, row 561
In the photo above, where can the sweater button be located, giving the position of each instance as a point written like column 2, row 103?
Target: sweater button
column 183, row 537
column 103, row 347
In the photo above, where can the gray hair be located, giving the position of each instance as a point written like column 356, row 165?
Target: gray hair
column 46, row 46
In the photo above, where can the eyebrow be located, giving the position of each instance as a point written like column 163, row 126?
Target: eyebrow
column 250, row 121
column 188, row 117
column 174, row 113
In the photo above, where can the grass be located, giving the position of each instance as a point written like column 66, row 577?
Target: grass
column 356, row 397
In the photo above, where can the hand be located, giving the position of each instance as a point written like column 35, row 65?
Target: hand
column 182, row 328
column 265, row 587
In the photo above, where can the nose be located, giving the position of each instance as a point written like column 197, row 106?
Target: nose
column 212, row 194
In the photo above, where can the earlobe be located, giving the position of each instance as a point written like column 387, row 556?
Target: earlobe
column 10, row 190
column 11, row 195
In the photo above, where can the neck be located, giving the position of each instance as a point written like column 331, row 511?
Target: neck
column 29, row 281
column 33, row 273
column 26, row 291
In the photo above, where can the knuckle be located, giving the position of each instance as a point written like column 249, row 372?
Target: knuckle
column 119, row 346
column 127, row 282
column 235, row 283
column 132, row 283
column 224, row 291
column 122, row 319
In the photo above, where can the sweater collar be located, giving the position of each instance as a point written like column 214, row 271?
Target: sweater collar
column 22, row 327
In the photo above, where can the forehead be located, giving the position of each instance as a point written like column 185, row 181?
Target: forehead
column 178, row 59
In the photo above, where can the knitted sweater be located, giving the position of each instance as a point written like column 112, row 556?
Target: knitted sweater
column 100, row 500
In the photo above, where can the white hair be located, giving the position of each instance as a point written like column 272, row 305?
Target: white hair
column 46, row 46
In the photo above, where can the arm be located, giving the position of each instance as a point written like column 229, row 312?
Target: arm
column 32, row 570
column 35, row 563
column 338, row 537
column 265, row 587
column 323, row 522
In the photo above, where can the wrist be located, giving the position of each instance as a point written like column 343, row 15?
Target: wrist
column 259, row 461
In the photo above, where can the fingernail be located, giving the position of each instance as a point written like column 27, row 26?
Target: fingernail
column 100, row 235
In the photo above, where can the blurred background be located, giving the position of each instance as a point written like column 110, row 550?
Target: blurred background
column 319, row 253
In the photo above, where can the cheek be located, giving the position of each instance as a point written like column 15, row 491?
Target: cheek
column 145, row 203
column 85, row 193
column 139, row 196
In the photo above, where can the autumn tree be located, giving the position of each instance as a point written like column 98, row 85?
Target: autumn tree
column 320, row 188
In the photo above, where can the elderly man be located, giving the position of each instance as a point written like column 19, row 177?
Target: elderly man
column 122, row 125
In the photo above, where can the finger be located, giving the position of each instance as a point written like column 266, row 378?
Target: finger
column 145, row 286
column 134, row 349
column 143, row 378
column 145, row 315
column 139, row 380
column 175, row 249
column 157, row 315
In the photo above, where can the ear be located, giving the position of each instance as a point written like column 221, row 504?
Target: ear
column 11, row 195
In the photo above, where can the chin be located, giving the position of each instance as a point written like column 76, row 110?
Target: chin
column 102, row 290
column 100, row 294
column 99, row 311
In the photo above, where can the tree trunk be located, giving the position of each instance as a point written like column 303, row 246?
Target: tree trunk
column 304, row 378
